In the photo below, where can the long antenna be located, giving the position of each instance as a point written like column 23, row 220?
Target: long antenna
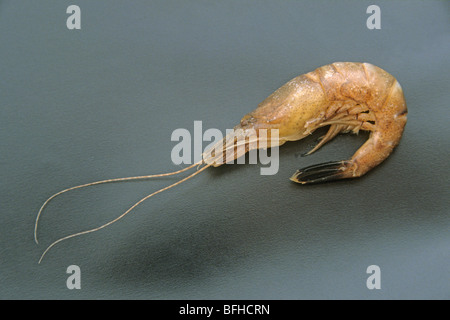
column 126, row 212
column 101, row 182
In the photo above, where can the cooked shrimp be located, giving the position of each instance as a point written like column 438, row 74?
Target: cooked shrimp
column 346, row 96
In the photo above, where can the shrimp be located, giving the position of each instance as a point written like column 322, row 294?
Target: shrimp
column 346, row 96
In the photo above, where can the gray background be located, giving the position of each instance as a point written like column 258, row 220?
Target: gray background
column 102, row 102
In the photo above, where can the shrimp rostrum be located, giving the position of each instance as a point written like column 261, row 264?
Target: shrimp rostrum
column 346, row 96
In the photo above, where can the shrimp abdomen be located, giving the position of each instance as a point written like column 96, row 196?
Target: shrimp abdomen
column 361, row 96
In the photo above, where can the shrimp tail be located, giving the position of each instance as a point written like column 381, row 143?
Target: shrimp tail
column 323, row 172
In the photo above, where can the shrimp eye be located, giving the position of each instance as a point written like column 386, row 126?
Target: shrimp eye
column 247, row 120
